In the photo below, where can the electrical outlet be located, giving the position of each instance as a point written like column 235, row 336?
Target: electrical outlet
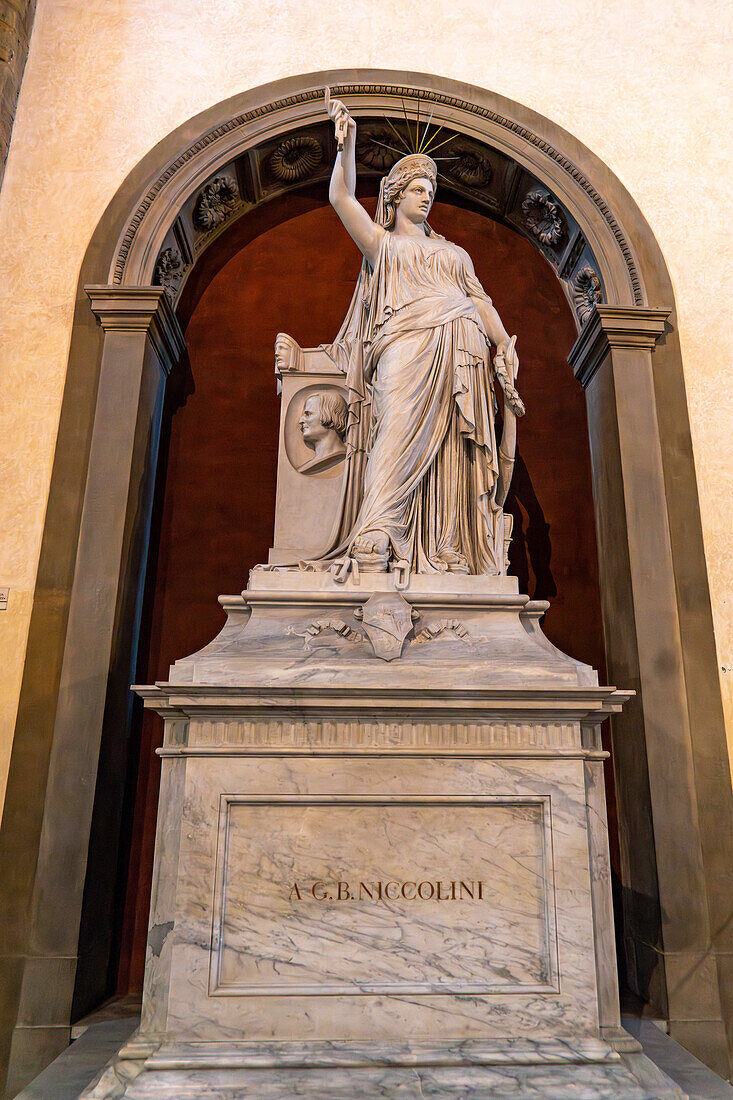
column 4, row 593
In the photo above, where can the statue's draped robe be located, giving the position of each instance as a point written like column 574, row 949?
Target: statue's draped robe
column 422, row 460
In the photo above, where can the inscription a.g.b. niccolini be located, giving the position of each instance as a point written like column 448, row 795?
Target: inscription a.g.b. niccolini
column 390, row 890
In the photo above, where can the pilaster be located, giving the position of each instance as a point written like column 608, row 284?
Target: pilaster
column 634, row 329
column 669, row 925
column 140, row 309
column 41, row 925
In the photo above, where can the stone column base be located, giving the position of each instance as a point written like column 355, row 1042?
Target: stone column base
column 449, row 1071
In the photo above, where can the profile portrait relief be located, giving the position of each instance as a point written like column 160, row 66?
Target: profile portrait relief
column 322, row 425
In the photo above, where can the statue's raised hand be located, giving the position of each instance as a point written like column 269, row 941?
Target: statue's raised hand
column 343, row 122
column 342, row 188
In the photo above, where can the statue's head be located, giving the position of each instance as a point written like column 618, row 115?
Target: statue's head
column 410, row 183
column 323, row 413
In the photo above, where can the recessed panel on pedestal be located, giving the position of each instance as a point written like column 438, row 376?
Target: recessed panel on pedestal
column 351, row 895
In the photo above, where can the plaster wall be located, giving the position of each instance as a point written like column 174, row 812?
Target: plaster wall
column 107, row 79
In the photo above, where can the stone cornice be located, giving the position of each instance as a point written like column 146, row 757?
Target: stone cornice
column 308, row 702
column 615, row 327
column 140, row 309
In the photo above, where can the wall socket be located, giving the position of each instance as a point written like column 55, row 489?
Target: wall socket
column 4, row 593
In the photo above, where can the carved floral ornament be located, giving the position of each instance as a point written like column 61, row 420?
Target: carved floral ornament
column 319, row 626
column 373, row 147
column 215, row 203
column 543, row 218
column 295, row 158
column 169, row 271
column 586, row 292
column 471, row 167
column 397, row 623
column 443, row 626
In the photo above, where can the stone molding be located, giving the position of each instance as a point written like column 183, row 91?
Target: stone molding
column 262, row 168
column 140, row 309
column 345, row 704
column 281, row 1054
column 362, row 734
column 615, row 327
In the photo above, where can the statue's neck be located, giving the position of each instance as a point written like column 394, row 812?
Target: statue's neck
column 406, row 228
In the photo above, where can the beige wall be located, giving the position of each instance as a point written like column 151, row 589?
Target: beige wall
column 638, row 83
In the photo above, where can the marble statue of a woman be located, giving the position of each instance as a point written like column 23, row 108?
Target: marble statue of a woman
column 424, row 479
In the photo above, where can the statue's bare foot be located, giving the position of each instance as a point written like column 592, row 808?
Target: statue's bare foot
column 371, row 550
column 371, row 542
column 454, row 562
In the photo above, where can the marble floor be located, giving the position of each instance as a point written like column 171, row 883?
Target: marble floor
column 104, row 1031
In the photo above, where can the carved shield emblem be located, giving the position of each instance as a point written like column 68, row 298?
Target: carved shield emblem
column 387, row 619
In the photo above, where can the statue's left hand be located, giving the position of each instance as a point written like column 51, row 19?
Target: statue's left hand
column 506, row 354
column 506, row 366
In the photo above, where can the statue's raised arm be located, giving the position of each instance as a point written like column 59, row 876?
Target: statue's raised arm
column 342, row 191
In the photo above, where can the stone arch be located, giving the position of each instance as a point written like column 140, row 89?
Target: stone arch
column 490, row 179
column 670, row 754
column 590, row 229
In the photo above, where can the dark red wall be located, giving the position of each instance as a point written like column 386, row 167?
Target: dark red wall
column 292, row 268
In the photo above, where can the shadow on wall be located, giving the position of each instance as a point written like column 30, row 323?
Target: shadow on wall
column 530, row 551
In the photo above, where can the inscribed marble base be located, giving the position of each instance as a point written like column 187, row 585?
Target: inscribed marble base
column 381, row 863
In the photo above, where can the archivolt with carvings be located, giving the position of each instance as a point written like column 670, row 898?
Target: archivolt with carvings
column 489, row 178
column 427, row 98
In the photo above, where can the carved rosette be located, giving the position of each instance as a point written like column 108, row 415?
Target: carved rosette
column 169, row 272
column 472, row 168
column 215, row 203
column 371, row 148
column 308, row 96
column 586, row 292
column 295, row 158
column 543, row 218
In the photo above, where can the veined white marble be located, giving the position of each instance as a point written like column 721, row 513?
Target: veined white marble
column 425, row 907
column 394, row 852
column 252, row 830
column 405, row 988
column 296, row 628
column 447, row 586
column 447, row 1073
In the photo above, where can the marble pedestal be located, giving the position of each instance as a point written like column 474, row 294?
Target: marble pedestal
column 382, row 861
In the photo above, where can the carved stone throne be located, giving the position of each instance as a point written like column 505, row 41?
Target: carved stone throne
column 382, row 860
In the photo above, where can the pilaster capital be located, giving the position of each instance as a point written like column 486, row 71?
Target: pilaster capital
column 140, row 309
column 610, row 327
